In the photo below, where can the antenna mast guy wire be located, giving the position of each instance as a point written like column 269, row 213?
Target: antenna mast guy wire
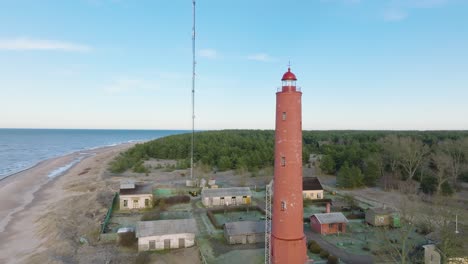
column 193, row 91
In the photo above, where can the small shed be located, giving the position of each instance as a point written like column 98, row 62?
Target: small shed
column 328, row 223
column 244, row 232
column 135, row 196
column 166, row 234
column 311, row 188
column 226, row 196
column 382, row 217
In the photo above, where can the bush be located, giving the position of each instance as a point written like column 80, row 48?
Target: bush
column 332, row 260
column 151, row 216
column 429, row 185
column 315, row 248
column 177, row 199
column 324, row 254
column 127, row 239
column 446, row 189
column 142, row 258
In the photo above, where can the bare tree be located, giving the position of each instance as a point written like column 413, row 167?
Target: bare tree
column 413, row 153
column 457, row 151
column 396, row 244
column 443, row 164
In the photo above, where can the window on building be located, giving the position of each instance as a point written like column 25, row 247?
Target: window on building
column 283, row 161
column 319, row 195
column 125, row 203
column 330, row 225
column 147, row 202
column 283, row 205
column 284, row 115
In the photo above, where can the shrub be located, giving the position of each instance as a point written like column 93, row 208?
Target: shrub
column 127, row 239
column 446, row 189
column 142, row 258
column 324, row 254
column 332, row 260
column 177, row 199
column 151, row 216
column 315, row 248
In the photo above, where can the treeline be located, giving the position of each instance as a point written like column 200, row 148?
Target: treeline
column 356, row 157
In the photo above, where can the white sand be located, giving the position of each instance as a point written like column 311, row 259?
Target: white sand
column 29, row 199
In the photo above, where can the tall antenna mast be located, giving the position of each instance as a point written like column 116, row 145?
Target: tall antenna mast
column 193, row 91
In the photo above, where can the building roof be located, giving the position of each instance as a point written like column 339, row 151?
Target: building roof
column 331, row 218
column 222, row 192
column 311, row 184
column 165, row 227
column 127, row 184
column 245, row 227
column 380, row 210
column 289, row 76
column 139, row 189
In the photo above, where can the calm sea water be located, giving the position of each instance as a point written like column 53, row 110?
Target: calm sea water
column 23, row 148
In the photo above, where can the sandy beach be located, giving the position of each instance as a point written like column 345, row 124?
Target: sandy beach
column 43, row 219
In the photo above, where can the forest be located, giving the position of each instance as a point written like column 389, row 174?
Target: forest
column 438, row 160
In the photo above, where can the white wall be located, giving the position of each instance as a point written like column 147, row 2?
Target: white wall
column 143, row 242
column 313, row 194
column 141, row 201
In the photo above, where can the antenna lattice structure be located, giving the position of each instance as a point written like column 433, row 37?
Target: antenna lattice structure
column 193, row 92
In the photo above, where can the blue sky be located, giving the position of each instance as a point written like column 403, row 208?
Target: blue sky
column 362, row 64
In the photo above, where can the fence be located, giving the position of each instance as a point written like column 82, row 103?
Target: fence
column 109, row 213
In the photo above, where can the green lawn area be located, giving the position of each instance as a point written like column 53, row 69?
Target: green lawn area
column 252, row 215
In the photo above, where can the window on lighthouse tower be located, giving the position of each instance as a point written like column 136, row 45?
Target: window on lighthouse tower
column 284, row 116
column 289, row 83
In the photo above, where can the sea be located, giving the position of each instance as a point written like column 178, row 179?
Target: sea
column 21, row 149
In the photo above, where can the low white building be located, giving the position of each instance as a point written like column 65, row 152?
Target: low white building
column 135, row 196
column 244, row 232
column 166, row 234
column 226, row 196
column 311, row 188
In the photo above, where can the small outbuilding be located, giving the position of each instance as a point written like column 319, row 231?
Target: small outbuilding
column 328, row 223
column 311, row 188
column 166, row 234
column 226, row 196
column 382, row 217
column 135, row 196
column 244, row 232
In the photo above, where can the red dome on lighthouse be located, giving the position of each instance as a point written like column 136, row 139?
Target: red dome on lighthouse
column 289, row 76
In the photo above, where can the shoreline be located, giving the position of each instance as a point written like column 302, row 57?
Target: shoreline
column 29, row 195
column 131, row 142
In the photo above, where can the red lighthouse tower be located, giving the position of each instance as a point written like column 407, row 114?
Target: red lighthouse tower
column 288, row 243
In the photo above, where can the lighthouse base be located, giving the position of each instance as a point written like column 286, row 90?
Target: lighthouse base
column 288, row 251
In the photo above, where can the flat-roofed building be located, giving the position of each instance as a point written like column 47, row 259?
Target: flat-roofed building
column 226, row 196
column 244, row 232
column 166, row 234
column 135, row 196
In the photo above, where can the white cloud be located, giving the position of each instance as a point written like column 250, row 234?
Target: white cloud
column 398, row 10
column 41, row 44
column 260, row 57
column 208, row 53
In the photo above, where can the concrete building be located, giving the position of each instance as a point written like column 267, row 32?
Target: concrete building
column 328, row 223
column 135, row 196
column 382, row 217
column 431, row 254
column 244, row 232
column 311, row 188
column 166, row 234
column 226, row 196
